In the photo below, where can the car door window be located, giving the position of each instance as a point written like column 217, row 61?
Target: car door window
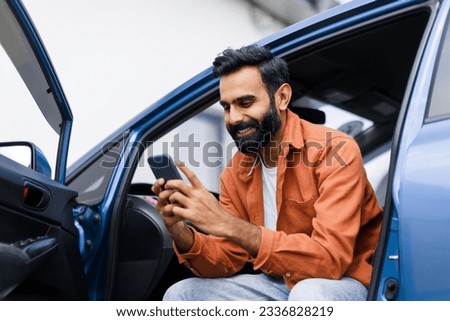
column 439, row 107
column 21, row 119
column 202, row 143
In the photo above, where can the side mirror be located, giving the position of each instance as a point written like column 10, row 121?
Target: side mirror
column 27, row 154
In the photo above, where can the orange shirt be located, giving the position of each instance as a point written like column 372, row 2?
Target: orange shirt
column 328, row 216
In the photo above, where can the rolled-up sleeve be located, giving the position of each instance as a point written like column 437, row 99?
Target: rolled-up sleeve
column 212, row 256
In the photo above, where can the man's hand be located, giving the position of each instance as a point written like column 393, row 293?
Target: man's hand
column 175, row 225
column 196, row 204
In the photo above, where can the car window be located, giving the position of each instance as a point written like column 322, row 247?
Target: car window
column 92, row 180
column 21, row 119
column 202, row 143
column 439, row 106
column 337, row 118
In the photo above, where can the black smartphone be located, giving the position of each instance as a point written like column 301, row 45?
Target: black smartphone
column 164, row 167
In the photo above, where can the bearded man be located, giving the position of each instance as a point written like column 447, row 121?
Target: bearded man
column 295, row 201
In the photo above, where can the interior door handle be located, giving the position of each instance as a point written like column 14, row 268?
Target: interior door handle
column 35, row 196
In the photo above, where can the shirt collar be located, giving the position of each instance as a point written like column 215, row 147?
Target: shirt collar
column 292, row 134
column 292, row 138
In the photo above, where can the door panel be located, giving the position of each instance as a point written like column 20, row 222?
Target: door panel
column 424, row 190
column 38, row 236
column 424, row 216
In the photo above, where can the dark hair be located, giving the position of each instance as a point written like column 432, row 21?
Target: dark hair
column 274, row 70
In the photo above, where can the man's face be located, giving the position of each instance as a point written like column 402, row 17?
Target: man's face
column 251, row 117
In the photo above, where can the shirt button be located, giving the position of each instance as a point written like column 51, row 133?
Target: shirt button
column 288, row 274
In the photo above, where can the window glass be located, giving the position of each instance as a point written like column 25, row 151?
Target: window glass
column 21, row 119
column 202, row 143
column 93, row 181
column 439, row 104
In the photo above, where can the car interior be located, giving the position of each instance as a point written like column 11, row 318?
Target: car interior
column 364, row 72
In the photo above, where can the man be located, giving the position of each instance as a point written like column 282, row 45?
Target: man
column 295, row 200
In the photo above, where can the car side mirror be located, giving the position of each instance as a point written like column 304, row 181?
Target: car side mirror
column 27, row 154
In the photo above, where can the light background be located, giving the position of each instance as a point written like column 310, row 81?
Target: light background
column 114, row 58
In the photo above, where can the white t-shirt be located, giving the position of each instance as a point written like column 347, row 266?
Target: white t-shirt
column 269, row 181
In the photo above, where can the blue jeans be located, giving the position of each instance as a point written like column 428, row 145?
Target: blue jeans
column 261, row 287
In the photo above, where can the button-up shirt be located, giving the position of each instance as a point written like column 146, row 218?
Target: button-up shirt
column 328, row 216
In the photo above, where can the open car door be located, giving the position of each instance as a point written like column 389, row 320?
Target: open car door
column 39, row 251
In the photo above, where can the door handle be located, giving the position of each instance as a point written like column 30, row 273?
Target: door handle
column 35, row 196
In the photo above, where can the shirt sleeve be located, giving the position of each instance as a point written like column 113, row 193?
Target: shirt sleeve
column 212, row 256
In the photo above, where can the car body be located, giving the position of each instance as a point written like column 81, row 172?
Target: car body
column 377, row 70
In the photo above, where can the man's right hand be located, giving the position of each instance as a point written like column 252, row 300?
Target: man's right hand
column 177, row 228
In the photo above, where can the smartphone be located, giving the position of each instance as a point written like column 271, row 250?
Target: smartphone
column 163, row 167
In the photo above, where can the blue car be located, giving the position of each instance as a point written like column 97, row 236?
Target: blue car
column 376, row 70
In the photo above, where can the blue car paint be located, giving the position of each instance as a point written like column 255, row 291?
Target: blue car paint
column 424, row 246
column 421, row 176
column 391, row 268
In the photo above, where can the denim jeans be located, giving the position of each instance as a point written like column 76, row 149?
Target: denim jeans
column 261, row 287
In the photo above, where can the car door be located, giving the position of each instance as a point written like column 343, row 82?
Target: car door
column 39, row 250
column 39, row 256
column 416, row 259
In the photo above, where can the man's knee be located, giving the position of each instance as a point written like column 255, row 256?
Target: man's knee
column 345, row 289
column 306, row 290
column 182, row 290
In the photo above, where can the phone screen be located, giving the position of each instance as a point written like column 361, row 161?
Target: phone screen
column 163, row 167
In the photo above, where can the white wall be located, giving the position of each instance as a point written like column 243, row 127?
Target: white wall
column 116, row 57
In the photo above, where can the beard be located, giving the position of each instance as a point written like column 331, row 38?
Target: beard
column 265, row 129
